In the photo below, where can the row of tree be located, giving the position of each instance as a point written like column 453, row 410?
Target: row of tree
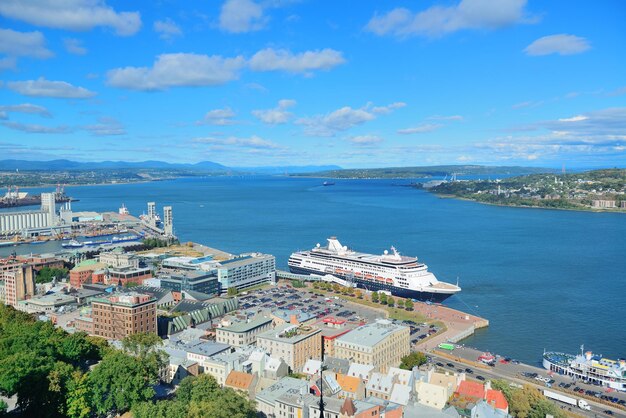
column 46, row 274
column 388, row 300
column 527, row 402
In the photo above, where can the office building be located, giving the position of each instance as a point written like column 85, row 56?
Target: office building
column 241, row 334
column 116, row 317
column 246, row 271
column 194, row 280
column 168, row 221
column 118, row 259
column 381, row 344
column 293, row 344
column 19, row 284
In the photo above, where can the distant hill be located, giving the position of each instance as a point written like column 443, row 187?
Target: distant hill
column 429, row 171
column 56, row 165
column 289, row 169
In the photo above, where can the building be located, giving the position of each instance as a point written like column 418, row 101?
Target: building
column 246, row 271
column 381, row 344
column 195, row 280
column 351, row 387
column 116, row 317
column 119, row 259
column 19, row 284
column 267, row 398
column 242, row 382
column 294, row 344
column 45, row 304
column 17, row 222
column 603, row 204
column 294, row 404
column 122, row 276
column 346, row 408
column 37, row 262
column 241, row 334
column 82, row 272
column 168, row 221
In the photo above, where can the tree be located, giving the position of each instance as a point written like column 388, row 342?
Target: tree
column 232, row 291
column 375, row 297
column 358, row 294
column 46, row 274
column 197, row 388
column 336, row 288
column 119, row 381
column 414, row 359
column 78, row 396
column 3, row 407
column 408, row 304
column 400, row 303
column 390, row 301
column 383, row 298
column 229, row 404
column 161, row 409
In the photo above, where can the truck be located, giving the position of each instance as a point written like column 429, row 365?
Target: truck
column 581, row 403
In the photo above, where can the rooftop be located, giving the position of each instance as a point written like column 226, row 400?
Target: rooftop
column 289, row 333
column 270, row 394
column 370, row 334
column 239, row 380
column 240, row 327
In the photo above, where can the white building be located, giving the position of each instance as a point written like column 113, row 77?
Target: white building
column 246, row 270
column 16, row 222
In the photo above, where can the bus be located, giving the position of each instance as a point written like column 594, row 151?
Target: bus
column 446, row 346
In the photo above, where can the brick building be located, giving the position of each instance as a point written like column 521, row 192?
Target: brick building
column 116, row 317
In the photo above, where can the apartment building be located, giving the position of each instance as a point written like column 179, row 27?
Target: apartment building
column 240, row 334
column 19, row 284
column 246, row 271
column 381, row 344
column 293, row 344
column 116, row 317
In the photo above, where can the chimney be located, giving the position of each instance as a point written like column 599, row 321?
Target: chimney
column 293, row 319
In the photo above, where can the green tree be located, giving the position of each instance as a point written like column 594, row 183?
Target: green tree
column 229, row 404
column 383, row 298
column 3, row 407
column 358, row 294
column 195, row 389
column 400, row 303
column 375, row 297
column 408, row 304
column 232, row 291
column 78, row 396
column 160, row 409
column 46, row 274
column 119, row 381
column 390, row 301
column 414, row 359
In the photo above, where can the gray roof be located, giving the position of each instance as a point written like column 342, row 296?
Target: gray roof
column 273, row 334
column 241, row 327
column 370, row 334
column 270, row 394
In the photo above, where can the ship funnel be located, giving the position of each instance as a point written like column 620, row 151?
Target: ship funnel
column 622, row 363
column 588, row 355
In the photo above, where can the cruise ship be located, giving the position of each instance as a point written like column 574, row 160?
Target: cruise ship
column 391, row 272
column 588, row 367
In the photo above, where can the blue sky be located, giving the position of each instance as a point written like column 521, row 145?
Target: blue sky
column 277, row 82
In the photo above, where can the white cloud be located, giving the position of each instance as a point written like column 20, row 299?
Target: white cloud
column 8, row 63
column 366, row 139
column 23, row 44
column 76, row 15
column 46, row 88
column 253, row 142
column 219, row 117
column 167, row 29
column 177, row 70
column 440, row 20
column 106, row 126
column 278, row 115
column 451, row 117
column 342, row 119
column 74, row 46
column 562, row 44
column 424, row 128
column 239, row 16
column 283, row 60
column 36, row 129
column 574, row 119
column 26, row 108
column 383, row 110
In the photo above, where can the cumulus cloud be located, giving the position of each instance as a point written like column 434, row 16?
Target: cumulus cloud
column 366, row 139
column 421, row 129
column 278, row 115
column 74, row 46
column 239, row 16
column 23, row 44
column 8, row 63
column 167, row 29
column 254, row 142
column 26, row 108
column 220, row 117
column 383, row 110
column 106, row 126
column 441, row 20
column 177, row 70
column 342, row 119
column 76, row 15
column 270, row 59
column 46, row 88
column 561, row 44
column 36, row 129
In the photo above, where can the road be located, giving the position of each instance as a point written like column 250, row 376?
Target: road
column 465, row 357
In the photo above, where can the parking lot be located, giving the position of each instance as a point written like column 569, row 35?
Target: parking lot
column 289, row 298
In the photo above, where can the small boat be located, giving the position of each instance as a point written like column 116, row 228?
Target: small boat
column 72, row 244
column 328, row 183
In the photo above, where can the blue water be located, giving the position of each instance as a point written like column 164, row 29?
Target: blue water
column 544, row 279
